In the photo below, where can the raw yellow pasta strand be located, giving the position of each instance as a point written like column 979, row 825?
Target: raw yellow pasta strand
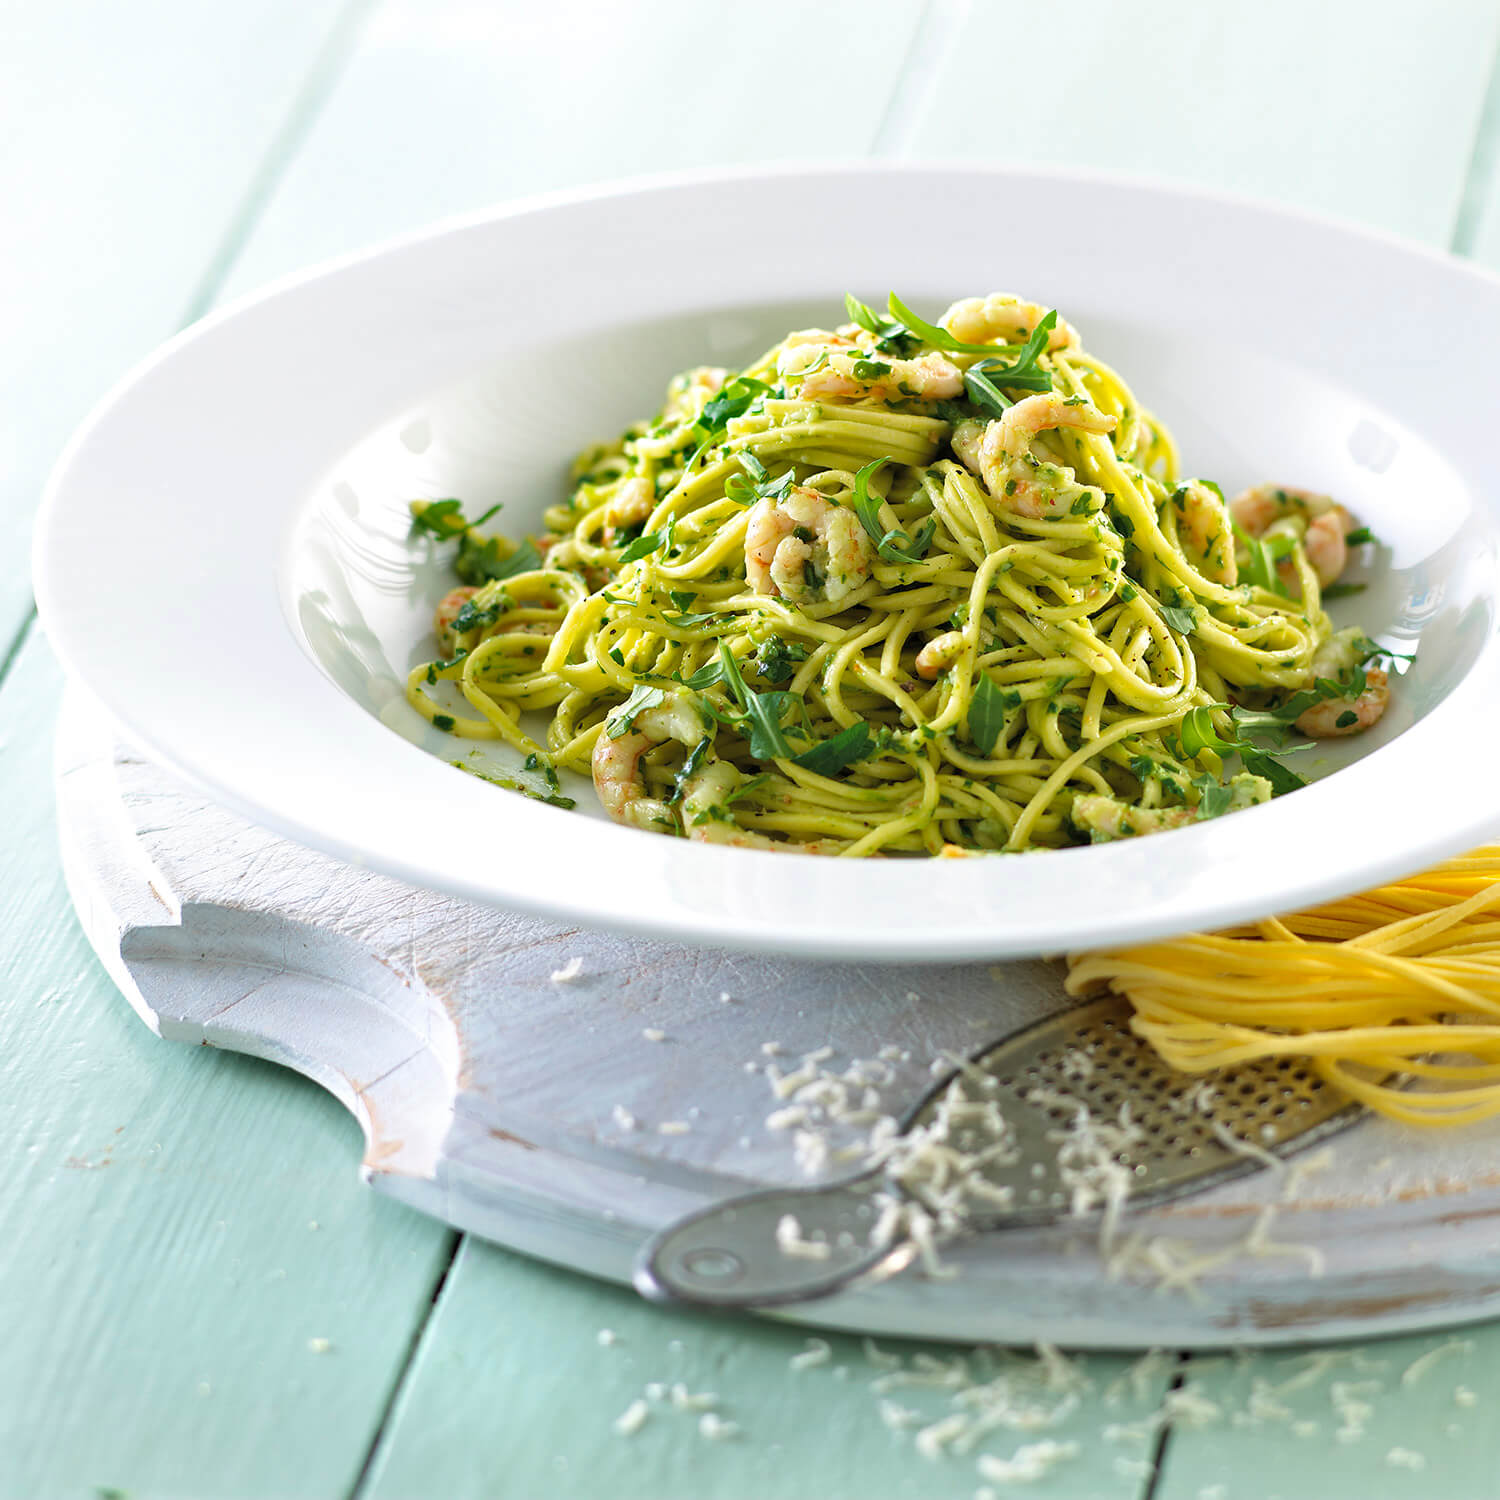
column 1403, row 980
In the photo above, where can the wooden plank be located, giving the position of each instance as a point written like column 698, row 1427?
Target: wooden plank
column 1401, row 1419
column 448, row 107
column 181, row 1225
column 128, row 138
column 512, row 1393
column 1343, row 107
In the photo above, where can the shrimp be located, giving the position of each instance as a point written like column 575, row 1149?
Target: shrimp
column 1338, row 659
column 447, row 612
column 804, row 548
column 630, row 505
column 982, row 320
column 1028, row 485
column 828, row 372
column 1107, row 818
column 706, row 817
column 1318, row 521
column 1205, row 522
column 617, row 761
column 939, row 654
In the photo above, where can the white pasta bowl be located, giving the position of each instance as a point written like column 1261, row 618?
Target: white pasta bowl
column 223, row 556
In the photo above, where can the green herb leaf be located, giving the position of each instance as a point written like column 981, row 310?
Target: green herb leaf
column 939, row 338
column 703, row 677
column 1185, row 621
column 1343, row 590
column 445, row 722
column 480, row 562
column 641, row 698
column 842, row 749
column 735, row 398
column 1282, row 778
column 986, row 718
column 893, row 545
column 1262, row 557
column 689, row 766
column 1357, row 538
column 643, row 546
column 891, row 337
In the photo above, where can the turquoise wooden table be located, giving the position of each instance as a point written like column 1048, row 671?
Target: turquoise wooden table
column 197, row 1296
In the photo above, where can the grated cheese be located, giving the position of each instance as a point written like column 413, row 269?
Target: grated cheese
column 1030, row 1462
column 673, row 1127
column 1463, row 1396
column 790, row 1242
column 653, row 1034
column 816, row 1352
column 623, row 1118
column 716, row 1429
column 607, row 1337
column 1406, row 1458
column 632, row 1419
column 1423, row 1363
column 569, row 971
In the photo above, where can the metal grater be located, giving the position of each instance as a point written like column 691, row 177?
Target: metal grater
column 729, row 1256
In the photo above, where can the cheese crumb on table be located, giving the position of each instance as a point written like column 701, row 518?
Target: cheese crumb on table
column 632, row 1419
column 817, row 1352
column 653, row 1034
column 319, row 1346
column 569, row 971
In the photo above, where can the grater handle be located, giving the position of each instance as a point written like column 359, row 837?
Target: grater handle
column 728, row 1255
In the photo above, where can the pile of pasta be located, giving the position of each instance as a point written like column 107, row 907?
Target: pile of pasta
column 1393, row 996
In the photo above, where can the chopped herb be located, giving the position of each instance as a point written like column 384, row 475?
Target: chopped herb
column 986, row 718
column 870, row 370
column 474, row 617
column 1346, row 718
column 617, row 656
column 849, row 745
column 641, row 698
column 551, row 798
column 1358, row 537
column 681, row 599
column 1180, row 619
column 1343, row 590
column 444, row 722
column 776, row 659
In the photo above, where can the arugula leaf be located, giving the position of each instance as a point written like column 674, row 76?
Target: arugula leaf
column 986, row 717
column 689, row 766
column 891, row 337
column 1183, row 620
column 940, row 338
column 682, row 598
column 842, row 749
column 734, row 399
column 1022, row 375
column 760, row 714
column 893, row 545
column 703, row 677
column 1263, row 556
column 760, row 485
column 480, row 562
column 1197, row 733
column 443, row 519
column 1214, row 798
column 1282, row 778
column 643, row 546
column 641, row 698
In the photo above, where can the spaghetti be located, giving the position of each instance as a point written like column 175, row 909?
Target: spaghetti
column 904, row 588
column 1378, row 992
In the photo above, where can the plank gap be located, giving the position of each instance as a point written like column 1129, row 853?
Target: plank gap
column 322, row 76
column 1479, row 179
column 934, row 36
column 403, row 1370
column 18, row 642
column 1164, row 1431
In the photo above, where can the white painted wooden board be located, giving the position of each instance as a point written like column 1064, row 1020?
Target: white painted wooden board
column 487, row 1089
